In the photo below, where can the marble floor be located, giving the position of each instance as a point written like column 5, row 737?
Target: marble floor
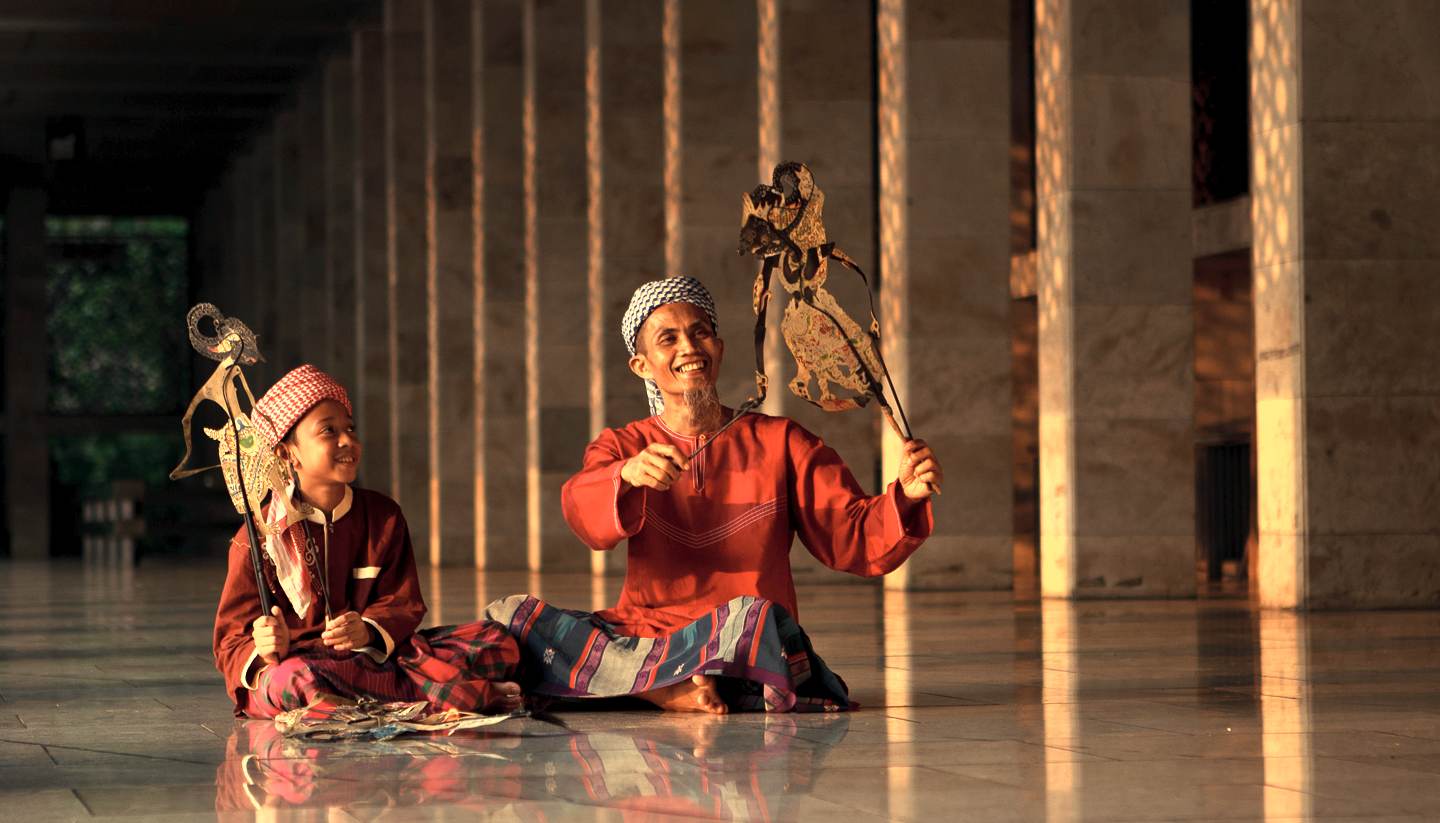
column 976, row 707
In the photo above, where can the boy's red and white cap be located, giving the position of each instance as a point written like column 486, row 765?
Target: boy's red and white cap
column 292, row 396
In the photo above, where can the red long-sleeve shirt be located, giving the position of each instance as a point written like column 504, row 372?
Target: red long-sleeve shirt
column 371, row 571
column 725, row 528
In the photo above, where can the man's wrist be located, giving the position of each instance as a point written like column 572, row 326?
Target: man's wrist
column 907, row 503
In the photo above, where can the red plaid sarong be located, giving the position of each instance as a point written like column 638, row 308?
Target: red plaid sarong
column 450, row 667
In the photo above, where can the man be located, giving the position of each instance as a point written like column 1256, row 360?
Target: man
column 707, row 617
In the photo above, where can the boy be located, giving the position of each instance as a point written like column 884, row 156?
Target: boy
column 342, row 571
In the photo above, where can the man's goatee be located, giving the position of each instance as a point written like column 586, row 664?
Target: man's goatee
column 703, row 407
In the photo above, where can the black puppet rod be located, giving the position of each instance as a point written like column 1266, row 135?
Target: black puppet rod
column 256, row 563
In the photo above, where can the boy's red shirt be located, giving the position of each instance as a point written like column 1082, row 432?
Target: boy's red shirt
column 371, row 572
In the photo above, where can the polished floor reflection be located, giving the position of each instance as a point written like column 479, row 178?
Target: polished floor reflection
column 976, row 707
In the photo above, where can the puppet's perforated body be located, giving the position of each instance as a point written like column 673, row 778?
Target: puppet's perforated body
column 823, row 339
column 783, row 224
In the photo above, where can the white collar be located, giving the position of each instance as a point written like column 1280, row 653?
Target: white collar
column 315, row 515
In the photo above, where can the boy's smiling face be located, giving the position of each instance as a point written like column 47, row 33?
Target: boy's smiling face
column 323, row 447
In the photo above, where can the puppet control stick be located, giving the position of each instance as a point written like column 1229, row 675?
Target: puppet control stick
column 266, row 603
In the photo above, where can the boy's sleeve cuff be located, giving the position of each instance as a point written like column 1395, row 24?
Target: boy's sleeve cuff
column 246, row 678
column 375, row 654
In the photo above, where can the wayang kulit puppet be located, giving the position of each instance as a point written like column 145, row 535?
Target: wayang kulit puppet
column 250, row 467
column 782, row 224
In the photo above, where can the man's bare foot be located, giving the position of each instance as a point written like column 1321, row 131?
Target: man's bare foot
column 507, row 698
column 698, row 694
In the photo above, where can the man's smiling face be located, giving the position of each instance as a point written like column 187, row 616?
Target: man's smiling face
column 678, row 348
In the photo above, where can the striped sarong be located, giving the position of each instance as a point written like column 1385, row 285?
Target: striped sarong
column 763, row 658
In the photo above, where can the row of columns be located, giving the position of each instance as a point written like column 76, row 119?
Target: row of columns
column 453, row 214
column 595, row 144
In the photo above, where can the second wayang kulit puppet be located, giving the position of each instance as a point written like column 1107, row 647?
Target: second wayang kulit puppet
column 783, row 224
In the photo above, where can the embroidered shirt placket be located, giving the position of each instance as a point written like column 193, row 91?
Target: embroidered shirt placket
column 325, row 554
column 698, row 469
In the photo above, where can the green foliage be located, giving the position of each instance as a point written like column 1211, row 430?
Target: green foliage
column 117, row 294
column 91, row 462
column 117, row 300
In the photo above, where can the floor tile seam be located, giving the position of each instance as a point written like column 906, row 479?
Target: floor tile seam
column 63, row 677
column 1069, row 749
column 946, row 773
column 969, row 701
column 941, row 772
column 47, row 746
column 1407, row 810
column 1156, row 729
column 1074, row 750
column 81, row 800
column 1392, row 708
column 101, row 651
column 598, row 804
column 1435, row 739
column 1369, row 760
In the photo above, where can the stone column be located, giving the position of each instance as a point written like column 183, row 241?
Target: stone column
column 1114, row 288
column 625, row 92
column 827, row 110
column 226, row 266
column 945, row 272
column 630, row 219
column 372, row 291
column 27, row 387
column 556, row 322
column 287, row 215
column 1344, row 120
column 501, row 428
column 407, row 244
column 222, row 223
column 450, row 179
column 206, row 277
column 341, row 138
column 718, row 116
column 266, row 321
column 317, row 321
column 242, row 298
